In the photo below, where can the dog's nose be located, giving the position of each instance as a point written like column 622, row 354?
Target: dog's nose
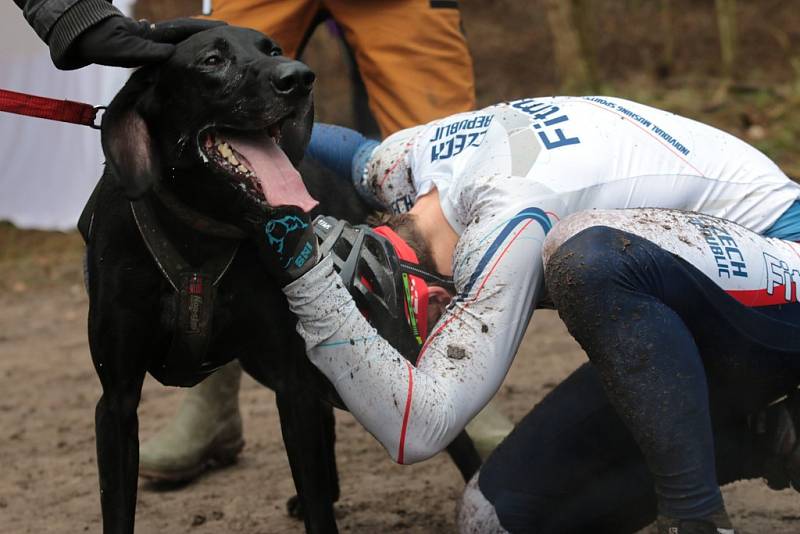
column 292, row 79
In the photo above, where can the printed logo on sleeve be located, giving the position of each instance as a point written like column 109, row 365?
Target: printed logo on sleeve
column 548, row 121
column 619, row 108
column 451, row 139
column 780, row 276
column 729, row 259
column 402, row 204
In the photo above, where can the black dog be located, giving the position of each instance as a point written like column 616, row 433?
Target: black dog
column 193, row 147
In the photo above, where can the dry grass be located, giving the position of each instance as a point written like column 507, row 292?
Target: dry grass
column 33, row 259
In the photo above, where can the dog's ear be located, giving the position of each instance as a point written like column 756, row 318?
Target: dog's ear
column 128, row 145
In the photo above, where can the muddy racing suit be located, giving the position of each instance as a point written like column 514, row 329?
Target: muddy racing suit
column 506, row 174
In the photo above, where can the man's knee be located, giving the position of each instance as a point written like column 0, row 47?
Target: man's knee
column 574, row 224
column 583, row 266
column 475, row 514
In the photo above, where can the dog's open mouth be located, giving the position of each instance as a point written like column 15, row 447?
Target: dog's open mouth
column 258, row 166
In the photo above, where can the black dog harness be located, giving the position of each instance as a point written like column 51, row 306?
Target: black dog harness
column 194, row 287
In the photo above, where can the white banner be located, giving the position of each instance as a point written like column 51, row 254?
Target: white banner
column 48, row 168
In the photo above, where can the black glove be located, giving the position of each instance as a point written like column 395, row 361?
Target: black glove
column 123, row 42
column 286, row 243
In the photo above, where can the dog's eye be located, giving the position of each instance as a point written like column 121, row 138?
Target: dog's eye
column 276, row 52
column 212, row 60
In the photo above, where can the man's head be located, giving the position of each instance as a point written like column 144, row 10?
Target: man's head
column 405, row 227
column 392, row 283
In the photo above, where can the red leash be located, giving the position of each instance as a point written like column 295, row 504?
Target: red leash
column 49, row 108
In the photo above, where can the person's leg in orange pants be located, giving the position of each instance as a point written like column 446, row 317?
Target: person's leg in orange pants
column 412, row 56
column 285, row 21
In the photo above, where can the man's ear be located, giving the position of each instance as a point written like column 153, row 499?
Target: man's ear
column 438, row 299
column 127, row 142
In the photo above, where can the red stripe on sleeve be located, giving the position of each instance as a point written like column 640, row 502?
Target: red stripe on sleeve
column 477, row 293
column 402, row 446
column 754, row 298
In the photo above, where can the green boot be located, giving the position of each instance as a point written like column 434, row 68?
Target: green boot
column 488, row 429
column 206, row 431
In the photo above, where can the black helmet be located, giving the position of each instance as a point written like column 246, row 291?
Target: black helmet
column 382, row 273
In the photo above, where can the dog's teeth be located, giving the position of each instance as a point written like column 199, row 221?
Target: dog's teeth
column 225, row 150
column 232, row 160
column 242, row 169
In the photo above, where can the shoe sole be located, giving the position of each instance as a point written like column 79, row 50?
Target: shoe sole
column 221, row 456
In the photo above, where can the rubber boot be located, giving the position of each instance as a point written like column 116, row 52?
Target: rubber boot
column 717, row 523
column 206, row 431
column 488, row 429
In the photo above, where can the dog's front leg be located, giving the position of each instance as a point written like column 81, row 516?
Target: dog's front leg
column 307, row 427
column 121, row 369
column 117, row 434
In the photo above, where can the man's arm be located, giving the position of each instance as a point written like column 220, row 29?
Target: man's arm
column 416, row 411
column 59, row 22
column 80, row 32
column 346, row 152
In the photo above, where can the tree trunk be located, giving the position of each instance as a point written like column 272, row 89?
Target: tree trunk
column 667, row 60
column 726, row 24
column 568, row 21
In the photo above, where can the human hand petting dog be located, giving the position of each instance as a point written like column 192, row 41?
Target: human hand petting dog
column 120, row 41
column 286, row 243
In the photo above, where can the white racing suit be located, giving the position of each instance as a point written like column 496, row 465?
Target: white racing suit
column 506, row 175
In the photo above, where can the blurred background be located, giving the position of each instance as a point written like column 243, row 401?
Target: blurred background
column 732, row 63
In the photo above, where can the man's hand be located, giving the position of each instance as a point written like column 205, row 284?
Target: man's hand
column 286, row 243
column 123, row 42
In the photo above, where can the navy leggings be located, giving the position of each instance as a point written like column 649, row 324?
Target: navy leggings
column 658, row 419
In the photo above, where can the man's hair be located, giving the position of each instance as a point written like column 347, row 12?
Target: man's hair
column 405, row 226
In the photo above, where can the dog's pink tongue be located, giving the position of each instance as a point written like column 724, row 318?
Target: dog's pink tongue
column 280, row 181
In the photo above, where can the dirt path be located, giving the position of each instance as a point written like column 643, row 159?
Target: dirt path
column 49, row 483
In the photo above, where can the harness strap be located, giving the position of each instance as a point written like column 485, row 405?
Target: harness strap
column 49, row 108
column 195, row 290
column 170, row 262
column 196, row 220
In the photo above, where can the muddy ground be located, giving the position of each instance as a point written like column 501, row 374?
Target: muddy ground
column 47, row 459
